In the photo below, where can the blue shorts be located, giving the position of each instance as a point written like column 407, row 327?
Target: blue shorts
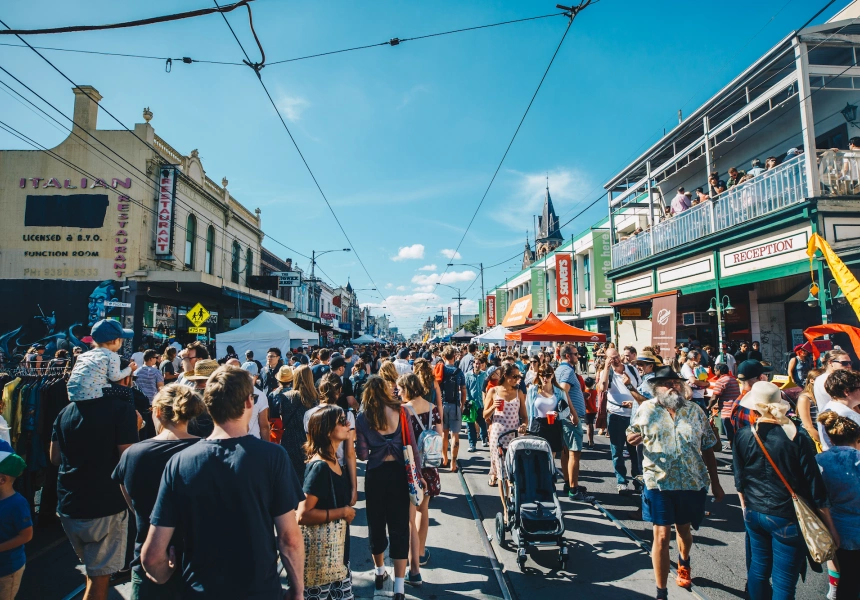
column 674, row 507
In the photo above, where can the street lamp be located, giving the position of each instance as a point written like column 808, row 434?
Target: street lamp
column 813, row 299
column 314, row 255
column 716, row 308
column 459, row 298
column 725, row 304
column 478, row 266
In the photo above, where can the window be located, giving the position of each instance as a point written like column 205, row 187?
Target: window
column 210, row 247
column 234, row 265
column 190, row 238
column 249, row 266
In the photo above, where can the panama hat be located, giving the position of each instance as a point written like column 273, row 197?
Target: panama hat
column 203, row 369
column 284, row 375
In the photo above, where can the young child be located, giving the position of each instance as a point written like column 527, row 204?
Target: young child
column 590, row 409
column 16, row 527
column 95, row 369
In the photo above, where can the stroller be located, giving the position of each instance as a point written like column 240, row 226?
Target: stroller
column 534, row 513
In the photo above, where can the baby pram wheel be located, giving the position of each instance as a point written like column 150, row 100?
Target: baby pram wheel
column 500, row 529
column 522, row 556
column 562, row 556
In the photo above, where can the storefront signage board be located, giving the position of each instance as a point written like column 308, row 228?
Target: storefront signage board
column 539, row 300
column 775, row 250
column 166, row 211
column 664, row 320
column 491, row 311
column 289, row 278
column 501, row 305
column 602, row 264
column 563, row 280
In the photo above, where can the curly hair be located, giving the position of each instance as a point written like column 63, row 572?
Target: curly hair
column 424, row 372
column 841, row 383
column 841, row 430
column 178, row 403
column 330, row 387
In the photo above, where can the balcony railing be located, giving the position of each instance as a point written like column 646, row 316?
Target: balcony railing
column 771, row 191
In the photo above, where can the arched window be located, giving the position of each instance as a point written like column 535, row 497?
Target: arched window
column 234, row 267
column 249, row 265
column 190, row 239
column 210, row 249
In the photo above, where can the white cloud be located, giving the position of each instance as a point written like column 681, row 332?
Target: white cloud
column 424, row 288
column 446, row 278
column 450, row 254
column 388, row 286
column 406, row 308
column 428, row 268
column 413, row 252
column 526, row 195
column 401, row 288
column 292, row 107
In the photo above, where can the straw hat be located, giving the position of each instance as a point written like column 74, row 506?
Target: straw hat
column 203, row 369
column 765, row 398
column 284, row 375
column 648, row 357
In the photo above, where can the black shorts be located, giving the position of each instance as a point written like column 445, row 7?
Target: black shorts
column 551, row 433
column 590, row 418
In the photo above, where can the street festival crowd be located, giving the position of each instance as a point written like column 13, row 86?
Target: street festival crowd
column 212, row 470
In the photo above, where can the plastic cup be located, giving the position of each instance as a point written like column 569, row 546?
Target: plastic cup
column 500, row 404
column 550, row 417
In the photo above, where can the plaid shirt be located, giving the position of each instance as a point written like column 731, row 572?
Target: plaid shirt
column 741, row 417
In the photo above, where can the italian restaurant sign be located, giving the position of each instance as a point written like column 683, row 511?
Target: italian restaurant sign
column 166, row 209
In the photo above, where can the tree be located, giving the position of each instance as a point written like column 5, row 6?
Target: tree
column 472, row 325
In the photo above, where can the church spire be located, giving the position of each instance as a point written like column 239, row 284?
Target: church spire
column 528, row 254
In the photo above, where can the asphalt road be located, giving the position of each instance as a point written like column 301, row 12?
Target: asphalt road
column 603, row 558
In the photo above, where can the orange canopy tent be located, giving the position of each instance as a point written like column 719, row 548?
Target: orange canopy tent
column 553, row 329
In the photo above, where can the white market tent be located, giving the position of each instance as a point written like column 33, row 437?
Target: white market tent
column 267, row 330
column 496, row 335
column 364, row 339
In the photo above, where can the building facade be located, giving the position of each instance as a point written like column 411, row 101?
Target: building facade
column 119, row 224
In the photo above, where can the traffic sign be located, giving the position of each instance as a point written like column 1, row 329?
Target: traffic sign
column 116, row 304
column 199, row 330
column 289, row 278
column 197, row 315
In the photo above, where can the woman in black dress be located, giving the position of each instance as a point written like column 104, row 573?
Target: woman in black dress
column 293, row 405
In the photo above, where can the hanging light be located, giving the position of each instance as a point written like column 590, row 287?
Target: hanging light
column 849, row 113
column 812, row 300
column 730, row 310
column 840, row 298
column 712, row 309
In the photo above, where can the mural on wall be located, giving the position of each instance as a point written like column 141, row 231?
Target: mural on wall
column 56, row 314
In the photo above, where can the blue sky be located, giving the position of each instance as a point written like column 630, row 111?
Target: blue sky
column 404, row 140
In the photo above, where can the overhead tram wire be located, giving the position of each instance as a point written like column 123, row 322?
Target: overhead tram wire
column 143, row 178
column 147, row 144
column 571, row 16
column 257, row 67
column 184, row 59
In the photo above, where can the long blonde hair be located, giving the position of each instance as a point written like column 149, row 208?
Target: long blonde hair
column 375, row 398
column 303, row 383
column 389, row 372
column 424, row 371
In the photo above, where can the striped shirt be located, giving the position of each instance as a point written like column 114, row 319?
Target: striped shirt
column 728, row 390
column 147, row 379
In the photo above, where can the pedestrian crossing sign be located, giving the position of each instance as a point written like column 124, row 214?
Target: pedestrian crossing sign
column 197, row 315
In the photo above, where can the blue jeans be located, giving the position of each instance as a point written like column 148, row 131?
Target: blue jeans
column 472, row 430
column 617, row 426
column 778, row 552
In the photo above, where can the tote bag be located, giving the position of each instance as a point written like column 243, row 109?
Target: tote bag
column 413, row 479
column 325, row 545
column 818, row 540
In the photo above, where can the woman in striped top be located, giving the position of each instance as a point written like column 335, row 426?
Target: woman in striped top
column 726, row 390
column 807, row 409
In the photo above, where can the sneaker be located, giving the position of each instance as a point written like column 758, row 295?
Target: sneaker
column 120, row 576
column 580, row 495
column 471, row 447
column 425, row 558
column 626, row 454
column 565, row 489
column 413, row 579
column 485, row 443
column 380, row 580
column 623, row 489
column 684, row 579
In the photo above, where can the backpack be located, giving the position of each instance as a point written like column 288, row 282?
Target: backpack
column 429, row 444
column 450, row 389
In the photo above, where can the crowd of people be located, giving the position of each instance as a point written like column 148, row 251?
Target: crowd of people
column 193, row 475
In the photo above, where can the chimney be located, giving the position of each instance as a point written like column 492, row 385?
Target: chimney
column 86, row 107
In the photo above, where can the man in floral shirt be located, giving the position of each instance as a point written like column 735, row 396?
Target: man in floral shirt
column 679, row 463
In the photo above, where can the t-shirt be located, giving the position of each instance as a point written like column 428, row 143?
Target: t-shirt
column 88, row 433
column 261, row 403
column 617, row 394
column 346, row 391
column 137, row 357
column 565, row 373
column 148, row 379
column 167, row 368
column 822, row 398
column 466, row 363
column 321, row 481
column 319, row 370
column 459, row 382
column 14, row 518
column 222, row 496
column 688, row 373
column 140, row 469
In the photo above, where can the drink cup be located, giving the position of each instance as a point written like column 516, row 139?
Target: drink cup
column 550, row 417
column 500, row 404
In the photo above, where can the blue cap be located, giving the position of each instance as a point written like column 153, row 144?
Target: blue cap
column 108, row 329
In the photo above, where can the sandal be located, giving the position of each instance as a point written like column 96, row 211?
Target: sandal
column 454, row 466
column 493, row 482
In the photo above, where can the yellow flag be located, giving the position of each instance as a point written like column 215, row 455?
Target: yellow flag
column 843, row 276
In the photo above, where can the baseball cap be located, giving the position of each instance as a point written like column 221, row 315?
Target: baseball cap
column 10, row 463
column 751, row 369
column 337, row 363
column 251, row 367
column 108, row 329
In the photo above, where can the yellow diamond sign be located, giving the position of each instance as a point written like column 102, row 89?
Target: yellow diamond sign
column 198, row 315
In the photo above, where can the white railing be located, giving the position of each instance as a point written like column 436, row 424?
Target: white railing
column 839, row 172
column 771, row 191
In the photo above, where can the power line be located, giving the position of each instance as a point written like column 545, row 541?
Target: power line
column 298, row 150
column 148, row 21
column 572, row 15
column 183, row 59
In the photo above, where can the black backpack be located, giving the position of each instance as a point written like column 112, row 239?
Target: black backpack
column 450, row 389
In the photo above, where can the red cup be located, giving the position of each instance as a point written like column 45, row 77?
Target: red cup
column 550, row 417
column 500, row 404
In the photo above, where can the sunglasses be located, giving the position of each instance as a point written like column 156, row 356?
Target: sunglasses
column 844, row 363
column 342, row 420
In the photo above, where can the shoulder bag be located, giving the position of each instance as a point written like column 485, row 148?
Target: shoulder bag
column 325, row 545
column 818, row 540
column 413, row 478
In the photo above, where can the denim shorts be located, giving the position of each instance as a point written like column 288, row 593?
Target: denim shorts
column 452, row 416
column 674, row 507
column 571, row 435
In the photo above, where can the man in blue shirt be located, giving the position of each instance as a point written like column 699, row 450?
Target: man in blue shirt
column 468, row 359
column 571, row 424
column 475, row 379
